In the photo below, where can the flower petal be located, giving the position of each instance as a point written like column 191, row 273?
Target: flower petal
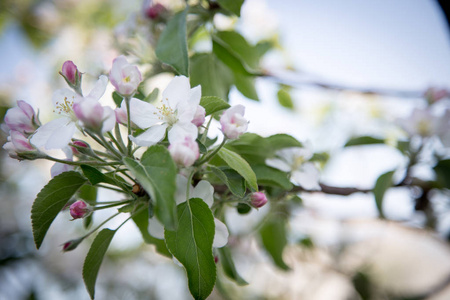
column 155, row 228
column 278, row 164
column 205, row 191
column 179, row 131
column 99, row 88
column 143, row 114
column 180, row 194
column 221, row 235
column 55, row 134
column 307, row 177
column 177, row 90
column 151, row 136
column 109, row 119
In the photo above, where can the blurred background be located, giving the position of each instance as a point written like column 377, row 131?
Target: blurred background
column 354, row 67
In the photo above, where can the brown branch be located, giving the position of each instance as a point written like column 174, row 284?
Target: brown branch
column 294, row 79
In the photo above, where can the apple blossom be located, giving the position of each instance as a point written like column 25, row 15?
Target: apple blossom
column 18, row 145
column 176, row 113
column 433, row 94
column 421, row 122
column 233, row 122
column 124, row 76
column 21, row 118
column 184, row 151
column 199, row 117
column 258, row 199
column 94, row 116
column 57, row 133
column 71, row 74
column 205, row 191
column 80, row 209
column 121, row 113
column 295, row 161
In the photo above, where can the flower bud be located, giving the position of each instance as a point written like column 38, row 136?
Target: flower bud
column 80, row 209
column 72, row 244
column 258, row 199
column 19, row 147
column 184, row 151
column 233, row 122
column 94, row 116
column 124, row 76
column 434, row 94
column 22, row 118
column 199, row 117
column 71, row 74
column 155, row 11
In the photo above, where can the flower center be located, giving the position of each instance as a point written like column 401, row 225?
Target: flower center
column 167, row 114
column 298, row 161
column 424, row 127
column 126, row 79
column 64, row 107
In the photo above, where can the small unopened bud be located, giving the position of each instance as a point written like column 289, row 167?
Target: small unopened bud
column 155, row 11
column 76, row 145
column 80, row 209
column 184, row 151
column 435, row 94
column 258, row 199
column 199, row 117
column 71, row 74
column 233, row 122
column 72, row 244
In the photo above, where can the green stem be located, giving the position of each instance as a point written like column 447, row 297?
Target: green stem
column 98, row 227
column 129, row 145
column 205, row 133
column 112, row 205
column 119, row 137
column 113, row 139
column 107, row 155
column 112, row 188
column 110, row 147
column 206, row 157
column 79, row 163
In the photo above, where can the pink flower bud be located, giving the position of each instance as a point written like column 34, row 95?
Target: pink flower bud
column 258, row 199
column 155, row 11
column 233, row 122
column 22, row 118
column 434, row 94
column 216, row 259
column 80, row 209
column 94, row 116
column 199, row 117
column 124, row 76
column 184, row 151
column 18, row 145
column 70, row 73
column 71, row 245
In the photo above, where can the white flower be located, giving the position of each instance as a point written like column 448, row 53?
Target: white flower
column 124, row 76
column 57, row 133
column 204, row 191
column 233, row 122
column 176, row 113
column 421, row 122
column 295, row 161
column 184, row 151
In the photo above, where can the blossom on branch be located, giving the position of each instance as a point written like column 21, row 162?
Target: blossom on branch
column 124, row 76
column 21, row 118
column 294, row 160
column 184, row 151
column 233, row 122
column 57, row 134
column 18, row 145
column 177, row 110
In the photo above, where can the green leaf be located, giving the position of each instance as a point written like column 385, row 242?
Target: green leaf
column 88, row 193
column 95, row 176
column 213, row 104
column 233, row 6
column 141, row 221
column 152, row 96
column 172, row 44
column 383, row 183
column 227, row 263
column 232, row 179
column 272, row 177
column 284, row 98
column 213, row 76
column 363, row 140
column 251, row 147
column 246, row 85
column 273, row 234
column 51, row 199
column 94, row 258
column 280, row 141
column 192, row 243
column 240, row 165
column 156, row 172
column 442, row 170
column 238, row 47
column 117, row 98
column 226, row 55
